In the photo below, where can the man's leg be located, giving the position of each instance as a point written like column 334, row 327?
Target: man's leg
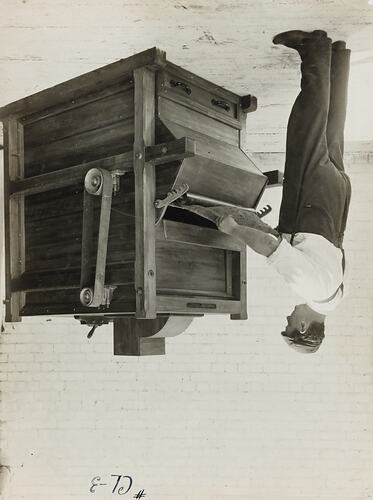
column 306, row 144
column 340, row 67
column 339, row 72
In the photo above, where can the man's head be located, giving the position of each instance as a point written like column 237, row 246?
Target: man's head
column 305, row 329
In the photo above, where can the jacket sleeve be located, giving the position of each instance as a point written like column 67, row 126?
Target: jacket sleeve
column 299, row 271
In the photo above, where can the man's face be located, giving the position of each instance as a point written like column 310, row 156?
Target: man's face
column 297, row 321
column 295, row 334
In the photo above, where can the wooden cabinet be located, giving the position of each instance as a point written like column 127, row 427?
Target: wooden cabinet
column 147, row 126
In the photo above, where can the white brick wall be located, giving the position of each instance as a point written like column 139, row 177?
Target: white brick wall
column 229, row 413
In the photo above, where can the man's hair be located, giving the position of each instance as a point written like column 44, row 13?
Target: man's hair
column 310, row 340
column 315, row 333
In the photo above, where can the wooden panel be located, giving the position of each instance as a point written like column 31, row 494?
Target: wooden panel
column 209, row 102
column 176, row 113
column 80, row 101
column 188, row 234
column 71, row 175
column 68, row 302
column 13, row 217
column 91, row 145
column 145, row 270
column 56, row 243
column 166, row 155
column 219, row 170
column 91, row 116
column 196, row 305
column 221, row 182
column 194, row 268
column 54, row 227
column 85, row 84
column 202, row 83
column 69, row 200
column 213, row 149
column 116, row 274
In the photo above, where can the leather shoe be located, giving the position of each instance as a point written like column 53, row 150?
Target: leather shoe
column 339, row 45
column 295, row 38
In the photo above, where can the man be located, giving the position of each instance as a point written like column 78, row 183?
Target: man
column 306, row 249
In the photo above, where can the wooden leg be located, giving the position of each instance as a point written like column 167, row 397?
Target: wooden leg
column 141, row 337
column 13, row 217
column 132, row 336
column 145, row 270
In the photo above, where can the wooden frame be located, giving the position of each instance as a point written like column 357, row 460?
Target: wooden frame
column 145, row 271
column 90, row 82
column 235, row 273
column 13, row 217
column 208, row 122
column 157, row 155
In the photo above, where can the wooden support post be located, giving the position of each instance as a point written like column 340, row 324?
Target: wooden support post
column 133, row 337
column 145, row 271
column 140, row 337
column 14, row 218
column 239, row 277
column 239, row 267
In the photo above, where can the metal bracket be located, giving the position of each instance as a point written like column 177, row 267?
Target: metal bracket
column 249, row 103
column 93, row 322
column 116, row 175
column 264, row 211
column 97, row 182
column 172, row 196
column 275, row 178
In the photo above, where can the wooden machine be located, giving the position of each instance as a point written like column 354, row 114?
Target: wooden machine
column 92, row 167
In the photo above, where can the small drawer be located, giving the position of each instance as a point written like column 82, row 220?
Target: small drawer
column 189, row 93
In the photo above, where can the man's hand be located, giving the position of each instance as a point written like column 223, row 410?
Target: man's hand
column 259, row 241
column 226, row 224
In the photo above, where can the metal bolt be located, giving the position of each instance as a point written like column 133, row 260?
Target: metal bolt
column 151, row 272
column 244, row 282
column 164, row 150
column 138, row 156
column 95, row 181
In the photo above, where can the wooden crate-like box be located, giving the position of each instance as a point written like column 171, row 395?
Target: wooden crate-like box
column 159, row 127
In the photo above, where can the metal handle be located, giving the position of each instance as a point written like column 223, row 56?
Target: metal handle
column 183, row 85
column 221, row 104
column 97, row 182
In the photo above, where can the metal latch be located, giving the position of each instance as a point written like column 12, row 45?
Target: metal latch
column 162, row 204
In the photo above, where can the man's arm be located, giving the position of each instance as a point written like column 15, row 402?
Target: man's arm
column 259, row 241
